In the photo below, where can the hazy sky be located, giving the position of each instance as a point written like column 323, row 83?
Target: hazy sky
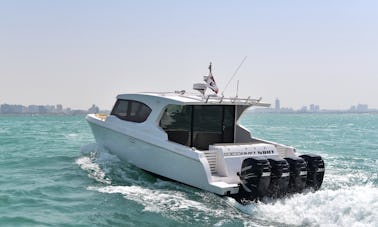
column 79, row 52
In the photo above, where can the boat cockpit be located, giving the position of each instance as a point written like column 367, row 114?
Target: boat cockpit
column 199, row 125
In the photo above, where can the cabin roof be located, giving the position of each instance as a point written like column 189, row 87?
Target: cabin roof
column 185, row 98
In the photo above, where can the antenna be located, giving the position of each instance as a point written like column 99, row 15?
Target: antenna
column 237, row 89
column 233, row 75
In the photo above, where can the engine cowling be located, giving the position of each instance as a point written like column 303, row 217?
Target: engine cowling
column 315, row 170
column 298, row 174
column 255, row 178
column 279, row 178
column 275, row 177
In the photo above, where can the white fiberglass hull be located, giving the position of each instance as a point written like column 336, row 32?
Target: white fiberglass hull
column 157, row 159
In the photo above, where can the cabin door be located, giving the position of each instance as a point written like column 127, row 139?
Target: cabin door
column 212, row 124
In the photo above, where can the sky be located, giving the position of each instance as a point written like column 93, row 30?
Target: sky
column 83, row 52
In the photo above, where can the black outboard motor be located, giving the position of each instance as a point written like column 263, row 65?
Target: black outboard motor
column 315, row 170
column 298, row 174
column 255, row 179
column 279, row 177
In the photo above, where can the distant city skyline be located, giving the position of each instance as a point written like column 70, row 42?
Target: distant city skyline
column 46, row 109
column 315, row 108
column 6, row 108
column 80, row 52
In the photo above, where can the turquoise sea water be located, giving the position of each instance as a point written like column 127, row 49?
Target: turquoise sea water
column 51, row 174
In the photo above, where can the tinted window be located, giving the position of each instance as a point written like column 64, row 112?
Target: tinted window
column 176, row 121
column 199, row 125
column 130, row 110
column 207, row 126
column 120, row 109
column 208, row 119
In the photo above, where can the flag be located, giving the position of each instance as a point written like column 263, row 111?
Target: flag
column 210, row 81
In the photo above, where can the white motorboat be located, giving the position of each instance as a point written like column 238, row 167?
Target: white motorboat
column 195, row 139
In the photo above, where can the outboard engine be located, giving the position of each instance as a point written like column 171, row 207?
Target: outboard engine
column 279, row 177
column 298, row 174
column 255, row 179
column 315, row 170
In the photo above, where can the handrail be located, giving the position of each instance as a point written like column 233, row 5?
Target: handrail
column 216, row 99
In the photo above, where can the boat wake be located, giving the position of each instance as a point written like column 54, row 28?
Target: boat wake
column 334, row 204
column 354, row 206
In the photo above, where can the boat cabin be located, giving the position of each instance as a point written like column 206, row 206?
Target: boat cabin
column 187, row 119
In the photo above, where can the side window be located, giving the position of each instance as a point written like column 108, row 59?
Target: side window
column 130, row 110
column 144, row 112
column 134, row 109
column 121, row 109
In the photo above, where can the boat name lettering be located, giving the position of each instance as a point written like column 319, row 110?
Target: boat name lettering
column 266, row 152
column 236, row 153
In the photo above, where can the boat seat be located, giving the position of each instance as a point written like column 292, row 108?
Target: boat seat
column 179, row 136
column 202, row 140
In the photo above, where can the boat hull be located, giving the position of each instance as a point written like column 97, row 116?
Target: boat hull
column 156, row 159
column 246, row 172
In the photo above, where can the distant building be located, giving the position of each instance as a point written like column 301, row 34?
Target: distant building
column 50, row 108
column 42, row 109
column 277, row 105
column 303, row 109
column 314, row 108
column 33, row 109
column 59, row 108
column 94, row 109
column 362, row 108
column 11, row 109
